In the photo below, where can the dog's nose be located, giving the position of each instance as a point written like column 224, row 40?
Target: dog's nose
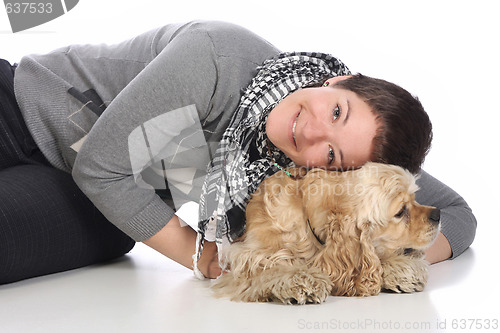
column 435, row 215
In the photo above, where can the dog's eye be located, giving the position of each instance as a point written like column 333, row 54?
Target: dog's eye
column 401, row 213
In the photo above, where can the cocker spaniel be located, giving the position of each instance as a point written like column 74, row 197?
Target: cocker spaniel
column 323, row 233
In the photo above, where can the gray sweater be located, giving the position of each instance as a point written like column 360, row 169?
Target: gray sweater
column 115, row 115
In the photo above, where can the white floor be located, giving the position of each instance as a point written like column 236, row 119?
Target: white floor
column 144, row 292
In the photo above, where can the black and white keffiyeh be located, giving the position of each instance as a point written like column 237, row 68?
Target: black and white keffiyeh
column 241, row 161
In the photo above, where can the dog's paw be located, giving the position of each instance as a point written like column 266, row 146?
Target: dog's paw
column 404, row 276
column 403, row 285
column 302, row 288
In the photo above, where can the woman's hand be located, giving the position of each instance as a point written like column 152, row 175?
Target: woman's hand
column 440, row 250
column 209, row 261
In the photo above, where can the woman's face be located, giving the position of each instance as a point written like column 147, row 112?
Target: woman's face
column 323, row 127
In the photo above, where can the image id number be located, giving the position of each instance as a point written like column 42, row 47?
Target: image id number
column 28, row 8
column 478, row 324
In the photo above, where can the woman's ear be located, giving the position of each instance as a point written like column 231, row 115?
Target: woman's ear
column 331, row 81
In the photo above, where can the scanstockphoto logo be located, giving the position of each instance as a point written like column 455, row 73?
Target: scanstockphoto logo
column 28, row 14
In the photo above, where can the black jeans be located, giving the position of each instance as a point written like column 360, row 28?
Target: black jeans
column 47, row 224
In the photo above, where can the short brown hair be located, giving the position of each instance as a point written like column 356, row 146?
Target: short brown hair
column 404, row 135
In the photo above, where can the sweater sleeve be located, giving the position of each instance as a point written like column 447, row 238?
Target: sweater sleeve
column 458, row 223
column 175, row 88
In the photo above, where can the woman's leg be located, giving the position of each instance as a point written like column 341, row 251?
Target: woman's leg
column 47, row 225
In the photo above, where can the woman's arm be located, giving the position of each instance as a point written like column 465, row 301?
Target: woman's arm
column 138, row 131
column 458, row 224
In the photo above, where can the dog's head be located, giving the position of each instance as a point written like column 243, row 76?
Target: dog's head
column 396, row 221
column 366, row 215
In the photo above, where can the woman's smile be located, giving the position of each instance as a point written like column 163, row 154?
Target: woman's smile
column 294, row 126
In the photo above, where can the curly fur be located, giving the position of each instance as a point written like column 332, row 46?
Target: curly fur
column 373, row 234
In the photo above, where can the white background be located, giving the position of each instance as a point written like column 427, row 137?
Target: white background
column 445, row 52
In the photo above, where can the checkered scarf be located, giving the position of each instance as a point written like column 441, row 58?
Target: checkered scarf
column 241, row 162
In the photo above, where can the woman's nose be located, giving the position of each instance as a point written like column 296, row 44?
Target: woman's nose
column 316, row 130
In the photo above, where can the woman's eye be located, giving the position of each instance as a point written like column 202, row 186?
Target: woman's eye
column 331, row 156
column 336, row 112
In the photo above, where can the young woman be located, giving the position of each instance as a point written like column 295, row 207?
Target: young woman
column 100, row 144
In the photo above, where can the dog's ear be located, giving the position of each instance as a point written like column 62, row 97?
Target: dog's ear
column 369, row 280
column 349, row 258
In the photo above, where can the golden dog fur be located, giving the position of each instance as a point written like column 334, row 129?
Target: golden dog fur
column 371, row 236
